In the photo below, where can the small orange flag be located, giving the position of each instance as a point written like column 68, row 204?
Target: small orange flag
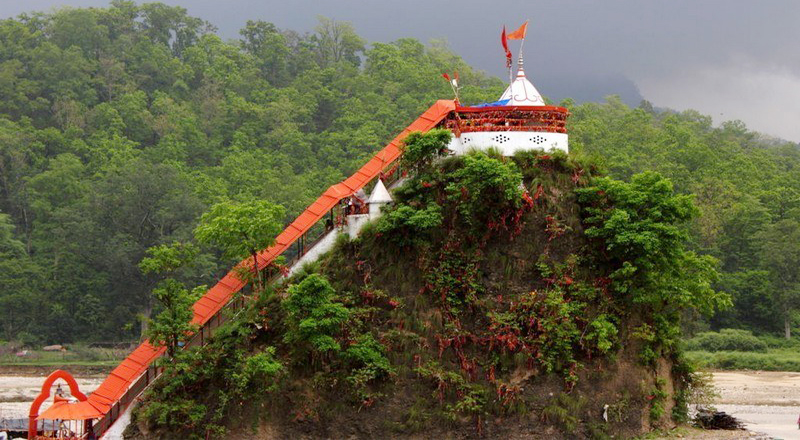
column 519, row 34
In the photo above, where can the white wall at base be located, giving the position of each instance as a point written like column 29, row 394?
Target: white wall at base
column 322, row 246
column 509, row 142
column 114, row 432
column 355, row 223
column 375, row 210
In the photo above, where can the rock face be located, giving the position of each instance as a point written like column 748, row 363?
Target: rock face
column 474, row 306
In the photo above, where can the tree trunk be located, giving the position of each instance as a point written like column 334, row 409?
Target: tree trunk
column 787, row 326
column 256, row 272
column 146, row 318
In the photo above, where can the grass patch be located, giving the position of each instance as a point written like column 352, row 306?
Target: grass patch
column 59, row 364
column 677, row 432
column 774, row 359
column 76, row 355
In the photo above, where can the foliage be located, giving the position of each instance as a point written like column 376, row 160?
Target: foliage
column 772, row 360
column 120, row 125
column 421, row 150
column 367, row 353
column 780, row 256
column 483, row 186
column 726, row 340
column 603, row 332
column 469, row 399
column 241, row 229
column 19, row 277
column 171, row 326
column 638, row 228
column 657, row 397
column 313, row 318
column 205, row 387
column 409, row 226
column 168, row 258
column 370, row 364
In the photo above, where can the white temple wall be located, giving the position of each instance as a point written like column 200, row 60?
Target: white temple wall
column 509, row 142
column 355, row 223
column 311, row 255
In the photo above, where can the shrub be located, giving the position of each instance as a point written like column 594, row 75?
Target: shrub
column 367, row 353
column 408, row 226
column 420, row 150
column 738, row 360
column 727, row 340
column 485, row 186
column 313, row 317
column 369, row 363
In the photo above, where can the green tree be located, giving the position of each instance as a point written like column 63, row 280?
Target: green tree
column 780, row 255
column 19, row 276
column 314, row 319
column 173, row 324
column 640, row 230
column 241, row 229
column 265, row 42
column 337, row 41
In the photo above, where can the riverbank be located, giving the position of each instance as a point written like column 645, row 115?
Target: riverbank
column 767, row 401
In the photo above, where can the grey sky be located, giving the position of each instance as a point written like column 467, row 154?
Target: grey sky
column 732, row 59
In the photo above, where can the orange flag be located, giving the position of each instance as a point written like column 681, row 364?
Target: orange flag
column 519, row 34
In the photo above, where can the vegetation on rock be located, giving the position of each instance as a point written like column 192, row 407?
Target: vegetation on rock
column 518, row 278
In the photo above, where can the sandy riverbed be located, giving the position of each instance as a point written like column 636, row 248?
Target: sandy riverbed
column 766, row 401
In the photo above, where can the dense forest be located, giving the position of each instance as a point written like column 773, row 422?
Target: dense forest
column 121, row 126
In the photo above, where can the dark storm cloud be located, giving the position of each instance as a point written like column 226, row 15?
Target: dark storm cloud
column 732, row 59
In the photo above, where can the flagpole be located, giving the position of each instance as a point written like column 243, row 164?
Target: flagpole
column 522, row 44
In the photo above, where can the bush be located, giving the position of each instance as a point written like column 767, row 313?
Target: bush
column 773, row 341
column 313, row 317
column 727, row 340
column 484, row 187
column 420, row 150
column 407, row 226
column 738, row 360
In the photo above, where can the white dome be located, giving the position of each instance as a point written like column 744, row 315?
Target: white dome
column 521, row 91
column 379, row 194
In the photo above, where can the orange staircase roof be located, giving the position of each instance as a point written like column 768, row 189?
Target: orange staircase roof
column 130, row 369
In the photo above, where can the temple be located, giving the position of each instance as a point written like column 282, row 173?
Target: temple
column 519, row 120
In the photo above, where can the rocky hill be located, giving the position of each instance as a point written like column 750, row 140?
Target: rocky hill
column 521, row 297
